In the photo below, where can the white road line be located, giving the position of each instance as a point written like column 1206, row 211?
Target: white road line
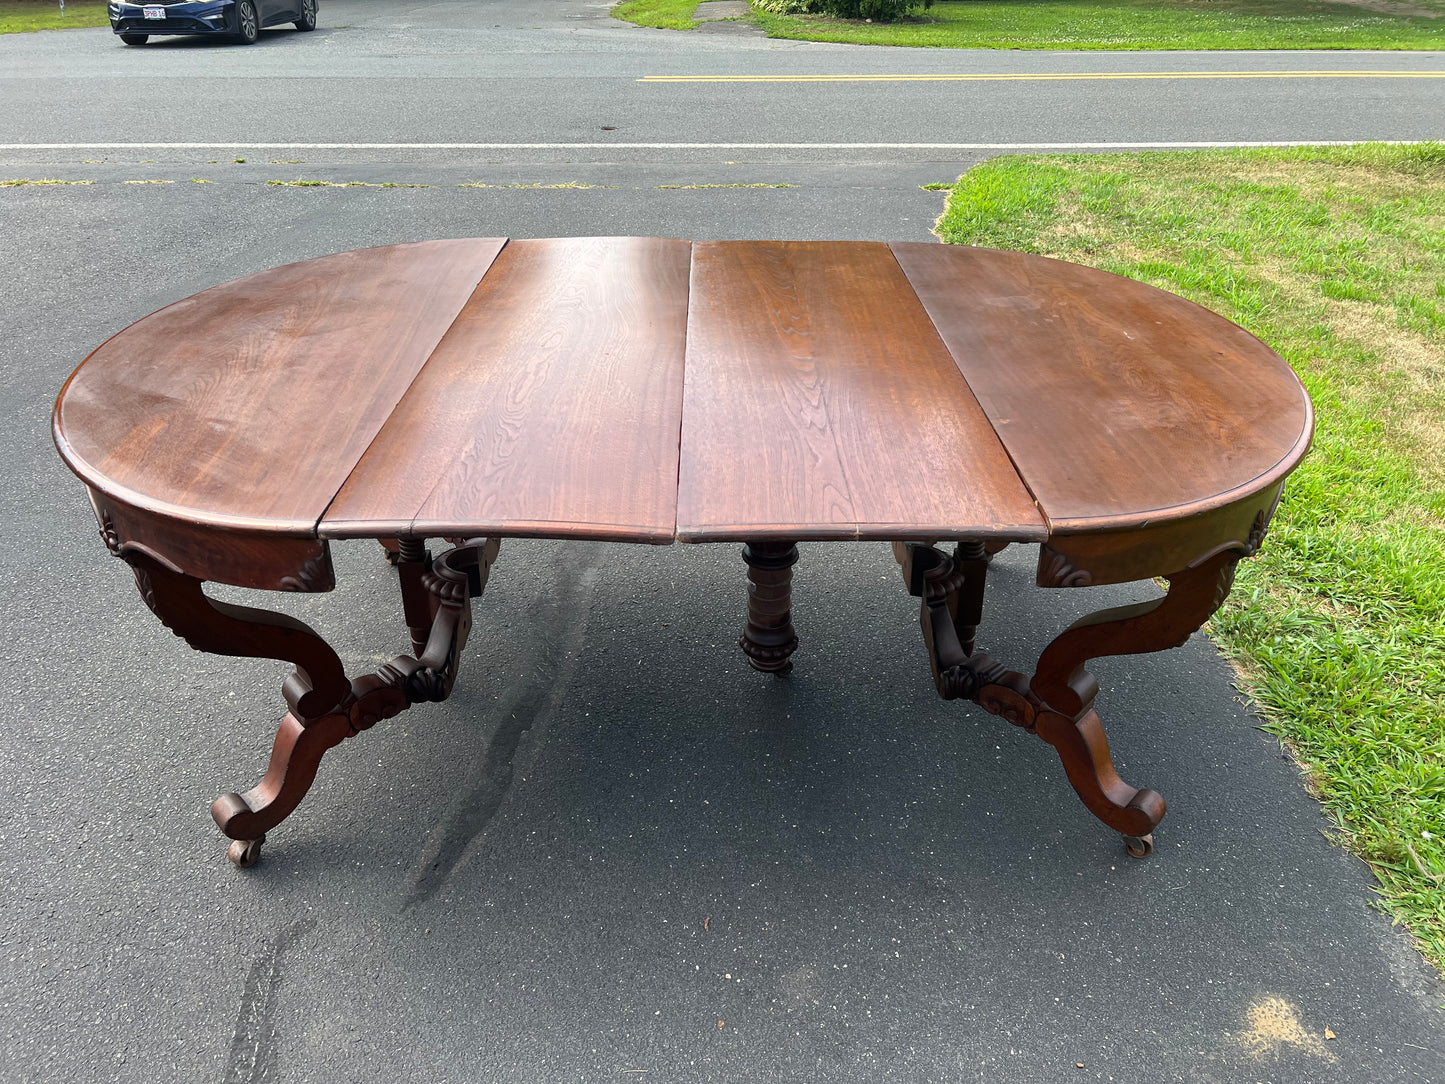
column 1025, row 77
column 1125, row 145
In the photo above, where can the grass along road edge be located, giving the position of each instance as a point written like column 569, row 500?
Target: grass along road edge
column 1335, row 256
column 1106, row 24
column 23, row 16
column 662, row 14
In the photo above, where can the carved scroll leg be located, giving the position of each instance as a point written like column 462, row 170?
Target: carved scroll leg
column 441, row 598
column 317, row 691
column 1057, row 704
column 325, row 706
column 295, row 757
column 1065, row 692
column 768, row 638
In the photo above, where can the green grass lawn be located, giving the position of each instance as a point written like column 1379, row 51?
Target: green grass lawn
column 665, row 14
column 1336, row 258
column 1108, row 24
column 18, row 16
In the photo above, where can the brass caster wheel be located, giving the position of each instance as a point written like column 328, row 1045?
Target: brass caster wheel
column 245, row 852
column 1139, row 846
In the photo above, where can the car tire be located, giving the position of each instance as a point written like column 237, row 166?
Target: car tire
column 248, row 24
column 135, row 39
column 308, row 15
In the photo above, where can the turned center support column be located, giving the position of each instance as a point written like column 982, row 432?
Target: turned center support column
column 768, row 638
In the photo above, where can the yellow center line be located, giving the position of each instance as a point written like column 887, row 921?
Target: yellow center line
column 1039, row 77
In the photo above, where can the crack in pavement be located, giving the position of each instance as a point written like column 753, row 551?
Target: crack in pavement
column 560, row 617
column 252, row 1058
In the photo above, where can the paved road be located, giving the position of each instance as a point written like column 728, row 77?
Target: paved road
column 528, row 72
column 617, row 849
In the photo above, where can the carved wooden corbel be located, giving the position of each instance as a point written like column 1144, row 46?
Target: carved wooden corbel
column 1056, row 571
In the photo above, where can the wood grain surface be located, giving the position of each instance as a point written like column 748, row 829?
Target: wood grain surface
column 248, row 404
column 551, row 408
column 641, row 389
column 1119, row 403
column 820, row 403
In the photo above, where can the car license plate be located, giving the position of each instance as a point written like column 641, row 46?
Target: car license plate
column 154, row 12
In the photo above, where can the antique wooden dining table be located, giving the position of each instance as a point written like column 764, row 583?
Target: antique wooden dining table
column 644, row 390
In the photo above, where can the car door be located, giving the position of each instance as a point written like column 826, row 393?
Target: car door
column 275, row 11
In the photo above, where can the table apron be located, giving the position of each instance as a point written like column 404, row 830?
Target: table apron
column 263, row 560
column 1135, row 553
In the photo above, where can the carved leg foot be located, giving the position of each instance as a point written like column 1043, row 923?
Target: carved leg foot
column 325, row 707
column 1084, row 751
column 1057, row 703
column 295, row 757
column 768, row 639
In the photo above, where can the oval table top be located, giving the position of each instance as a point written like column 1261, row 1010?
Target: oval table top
column 646, row 390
